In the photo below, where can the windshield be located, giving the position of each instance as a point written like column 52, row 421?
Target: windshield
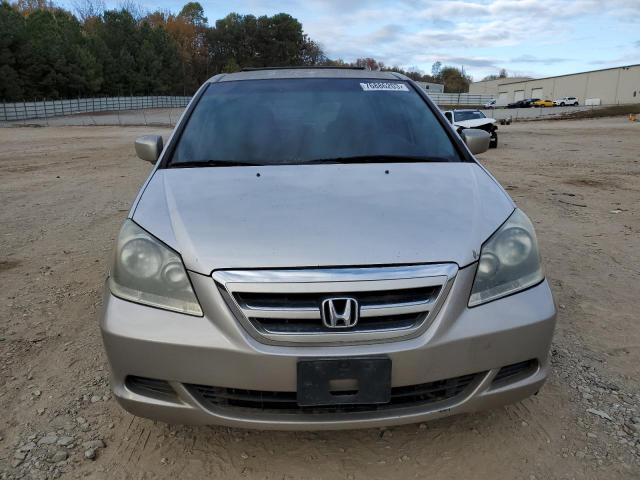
column 464, row 116
column 288, row 121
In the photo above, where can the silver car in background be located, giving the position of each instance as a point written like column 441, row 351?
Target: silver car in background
column 319, row 249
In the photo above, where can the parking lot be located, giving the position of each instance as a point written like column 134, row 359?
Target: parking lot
column 65, row 192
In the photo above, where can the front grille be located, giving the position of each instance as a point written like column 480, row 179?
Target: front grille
column 309, row 325
column 488, row 127
column 263, row 300
column 216, row 398
column 286, row 305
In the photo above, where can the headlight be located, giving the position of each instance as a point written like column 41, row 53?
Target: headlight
column 147, row 271
column 509, row 261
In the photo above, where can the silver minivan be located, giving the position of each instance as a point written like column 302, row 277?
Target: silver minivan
column 317, row 248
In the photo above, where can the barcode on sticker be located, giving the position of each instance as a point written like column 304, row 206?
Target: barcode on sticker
column 384, row 86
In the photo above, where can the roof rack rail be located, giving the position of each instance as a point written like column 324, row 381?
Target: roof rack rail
column 325, row 67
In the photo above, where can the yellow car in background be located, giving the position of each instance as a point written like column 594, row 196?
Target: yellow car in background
column 542, row 103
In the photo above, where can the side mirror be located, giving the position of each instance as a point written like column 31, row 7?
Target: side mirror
column 149, row 147
column 477, row 140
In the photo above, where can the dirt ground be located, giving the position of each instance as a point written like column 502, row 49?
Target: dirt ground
column 65, row 192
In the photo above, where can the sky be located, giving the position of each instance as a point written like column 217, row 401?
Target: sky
column 526, row 37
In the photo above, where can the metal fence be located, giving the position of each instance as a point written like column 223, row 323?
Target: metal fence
column 165, row 110
column 18, row 111
column 459, row 98
column 45, row 109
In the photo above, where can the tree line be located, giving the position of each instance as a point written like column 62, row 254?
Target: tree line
column 49, row 52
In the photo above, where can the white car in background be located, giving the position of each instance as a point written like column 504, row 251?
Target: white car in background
column 468, row 118
column 490, row 104
column 566, row 101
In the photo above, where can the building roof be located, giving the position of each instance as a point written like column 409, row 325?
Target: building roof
column 571, row 74
column 307, row 72
column 504, row 78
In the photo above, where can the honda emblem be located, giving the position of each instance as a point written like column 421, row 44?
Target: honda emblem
column 340, row 312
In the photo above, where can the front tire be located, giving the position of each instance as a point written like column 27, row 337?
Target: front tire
column 562, row 104
column 493, row 143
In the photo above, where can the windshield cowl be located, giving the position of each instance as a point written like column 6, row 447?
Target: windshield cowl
column 317, row 161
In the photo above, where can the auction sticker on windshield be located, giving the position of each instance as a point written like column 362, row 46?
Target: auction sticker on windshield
column 384, row 86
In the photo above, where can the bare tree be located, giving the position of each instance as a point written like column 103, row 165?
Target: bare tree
column 86, row 9
column 27, row 6
column 136, row 10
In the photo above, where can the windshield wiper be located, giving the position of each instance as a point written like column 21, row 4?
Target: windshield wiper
column 378, row 159
column 212, row 163
column 341, row 160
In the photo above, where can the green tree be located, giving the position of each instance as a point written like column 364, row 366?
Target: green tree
column 13, row 42
column 47, row 52
column 193, row 13
column 231, row 66
column 53, row 64
column 166, row 61
column 112, row 38
column 280, row 40
column 455, row 80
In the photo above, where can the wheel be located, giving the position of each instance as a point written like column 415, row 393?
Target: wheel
column 562, row 104
column 493, row 143
column 575, row 104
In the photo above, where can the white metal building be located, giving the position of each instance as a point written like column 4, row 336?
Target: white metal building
column 432, row 87
column 609, row 86
column 490, row 87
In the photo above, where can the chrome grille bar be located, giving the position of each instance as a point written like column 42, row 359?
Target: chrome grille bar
column 284, row 306
column 365, row 311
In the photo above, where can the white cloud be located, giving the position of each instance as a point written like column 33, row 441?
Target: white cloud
column 419, row 32
column 482, row 35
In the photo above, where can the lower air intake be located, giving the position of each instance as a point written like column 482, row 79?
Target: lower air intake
column 150, row 387
column 285, row 402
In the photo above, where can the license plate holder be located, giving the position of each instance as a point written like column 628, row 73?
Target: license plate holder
column 317, row 379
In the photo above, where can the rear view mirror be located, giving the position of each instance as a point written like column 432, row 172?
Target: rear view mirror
column 149, row 147
column 477, row 140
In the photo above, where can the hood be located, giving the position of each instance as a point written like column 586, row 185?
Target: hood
column 476, row 122
column 323, row 215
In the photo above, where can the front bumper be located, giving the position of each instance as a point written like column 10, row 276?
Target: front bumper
column 215, row 350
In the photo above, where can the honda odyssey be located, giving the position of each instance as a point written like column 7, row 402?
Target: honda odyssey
column 317, row 248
